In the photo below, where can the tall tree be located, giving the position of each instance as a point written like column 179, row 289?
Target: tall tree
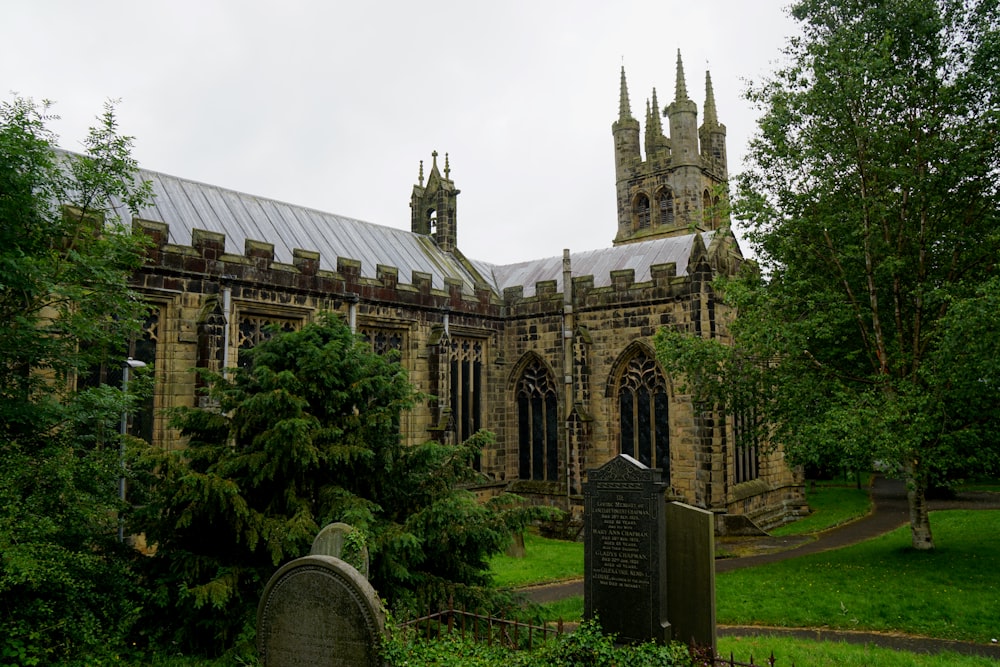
column 66, row 258
column 306, row 435
column 872, row 203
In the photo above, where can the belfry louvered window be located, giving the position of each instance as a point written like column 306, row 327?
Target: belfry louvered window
column 642, row 212
column 666, row 208
column 538, row 425
column 643, row 414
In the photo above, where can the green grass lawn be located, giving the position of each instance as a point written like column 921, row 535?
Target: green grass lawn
column 883, row 585
column 545, row 560
column 831, row 506
column 880, row 585
column 804, row 653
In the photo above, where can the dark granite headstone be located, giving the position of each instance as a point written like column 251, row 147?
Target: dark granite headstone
column 691, row 574
column 625, row 582
column 333, row 540
column 318, row 610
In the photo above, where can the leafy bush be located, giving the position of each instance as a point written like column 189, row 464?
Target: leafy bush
column 67, row 589
column 586, row 647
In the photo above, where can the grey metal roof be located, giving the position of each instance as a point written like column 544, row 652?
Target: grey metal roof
column 598, row 263
column 186, row 205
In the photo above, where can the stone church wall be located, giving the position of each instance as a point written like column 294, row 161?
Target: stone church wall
column 193, row 286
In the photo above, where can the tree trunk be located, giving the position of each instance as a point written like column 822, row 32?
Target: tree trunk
column 916, row 497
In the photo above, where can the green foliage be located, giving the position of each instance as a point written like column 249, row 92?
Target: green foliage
column 872, row 201
column 305, row 436
column 587, row 646
column 66, row 585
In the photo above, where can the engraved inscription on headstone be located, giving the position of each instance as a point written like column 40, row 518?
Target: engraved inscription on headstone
column 318, row 610
column 624, row 570
column 333, row 540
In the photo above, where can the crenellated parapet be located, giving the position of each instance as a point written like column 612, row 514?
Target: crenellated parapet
column 619, row 289
column 172, row 266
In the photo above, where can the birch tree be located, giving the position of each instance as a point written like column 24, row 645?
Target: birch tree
column 871, row 200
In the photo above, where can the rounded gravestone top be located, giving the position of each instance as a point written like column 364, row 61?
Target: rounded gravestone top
column 334, row 540
column 319, row 610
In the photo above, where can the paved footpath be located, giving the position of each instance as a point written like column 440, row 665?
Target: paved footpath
column 889, row 511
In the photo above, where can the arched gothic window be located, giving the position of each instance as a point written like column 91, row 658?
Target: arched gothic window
column 643, row 414
column 642, row 212
column 467, row 388
column 538, row 425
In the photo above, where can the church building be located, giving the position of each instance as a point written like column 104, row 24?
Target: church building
column 553, row 355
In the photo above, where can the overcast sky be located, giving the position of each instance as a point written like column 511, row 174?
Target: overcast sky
column 332, row 104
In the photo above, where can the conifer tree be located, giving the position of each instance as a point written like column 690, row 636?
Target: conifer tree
column 305, row 435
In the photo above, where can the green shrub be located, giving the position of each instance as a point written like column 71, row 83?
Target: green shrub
column 586, row 647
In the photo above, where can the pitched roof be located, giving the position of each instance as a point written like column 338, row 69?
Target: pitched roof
column 598, row 263
column 185, row 205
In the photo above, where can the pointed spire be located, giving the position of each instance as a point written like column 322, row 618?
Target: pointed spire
column 657, row 125
column 682, row 93
column 649, row 116
column 420, row 179
column 711, row 114
column 624, row 108
column 447, row 167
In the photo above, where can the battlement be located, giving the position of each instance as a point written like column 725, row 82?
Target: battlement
column 208, row 260
column 621, row 290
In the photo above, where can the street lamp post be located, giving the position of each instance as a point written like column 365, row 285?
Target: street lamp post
column 129, row 364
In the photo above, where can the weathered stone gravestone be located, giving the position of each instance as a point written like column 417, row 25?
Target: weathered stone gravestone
column 691, row 574
column 335, row 540
column 649, row 565
column 319, row 610
column 625, row 580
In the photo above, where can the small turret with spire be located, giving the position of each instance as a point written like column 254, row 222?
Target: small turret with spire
column 434, row 207
column 683, row 115
column 626, row 132
column 657, row 145
column 713, row 134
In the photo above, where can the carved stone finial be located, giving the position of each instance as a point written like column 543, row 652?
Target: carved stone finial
column 447, row 167
column 420, row 179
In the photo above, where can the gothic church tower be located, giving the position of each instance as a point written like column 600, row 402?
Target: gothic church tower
column 681, row 185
